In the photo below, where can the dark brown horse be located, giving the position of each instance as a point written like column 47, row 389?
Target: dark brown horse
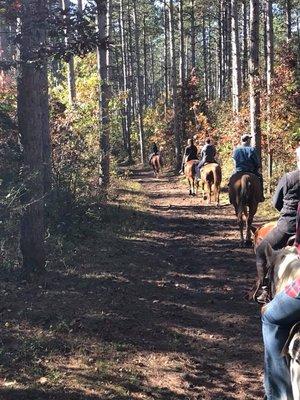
column 156, row 163
column 244, row 195
column 211, row 177
column 190, row 174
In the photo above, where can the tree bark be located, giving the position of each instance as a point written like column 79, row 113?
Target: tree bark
column 127, row 108
column 193, row 35
column 204, row 49
column 181, row 69
column 245, row 41
column 174, row 86
column 254, row 78
column 220, row 51
column 32, row 94
column 288, row 19
column 70, row 64
column 104, row 97
column 139, row 83
column 269, row 72
column 236, row 60
column 166, row 57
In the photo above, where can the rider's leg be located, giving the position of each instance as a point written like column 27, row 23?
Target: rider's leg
column 198, row 168
column 261, row 182
column 277, row 240
column 277, row 319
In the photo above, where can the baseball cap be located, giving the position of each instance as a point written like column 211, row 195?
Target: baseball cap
column 245, row 137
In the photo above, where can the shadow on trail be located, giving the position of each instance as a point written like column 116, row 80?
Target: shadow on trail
column 139, row 283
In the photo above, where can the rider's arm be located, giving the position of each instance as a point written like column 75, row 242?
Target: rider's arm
column 279, row 194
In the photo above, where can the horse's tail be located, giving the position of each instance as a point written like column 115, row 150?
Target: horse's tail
column 245, row 191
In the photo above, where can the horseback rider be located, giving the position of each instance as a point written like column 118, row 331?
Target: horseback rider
column 246, row 160
column 285, row 200
column 208, row 154
column 154, row 151
column 278, row 318
column 190, row 153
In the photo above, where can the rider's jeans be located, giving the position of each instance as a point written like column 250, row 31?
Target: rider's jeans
column 280, row 315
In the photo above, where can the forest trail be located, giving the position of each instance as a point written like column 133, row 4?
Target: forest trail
column 209, row 344
column 149, row 307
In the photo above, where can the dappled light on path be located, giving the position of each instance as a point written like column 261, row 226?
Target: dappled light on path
column 150, row 308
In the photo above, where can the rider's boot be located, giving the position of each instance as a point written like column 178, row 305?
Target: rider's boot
column 263, row 297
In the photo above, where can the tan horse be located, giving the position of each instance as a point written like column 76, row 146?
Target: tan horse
column 211, row 177
column 244, row 195
column 156, row 163
column 190, row 174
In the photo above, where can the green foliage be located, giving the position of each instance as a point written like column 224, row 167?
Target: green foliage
column 10, row 185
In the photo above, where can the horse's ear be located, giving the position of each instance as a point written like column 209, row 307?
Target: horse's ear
column 269, row 253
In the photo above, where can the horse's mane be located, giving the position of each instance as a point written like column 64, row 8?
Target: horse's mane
column 286, row 268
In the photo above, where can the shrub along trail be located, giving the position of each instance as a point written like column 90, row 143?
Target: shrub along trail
column 147, row 305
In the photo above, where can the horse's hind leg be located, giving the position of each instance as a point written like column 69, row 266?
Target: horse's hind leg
column 190, row 186
column 239, row 214
column 249, row 220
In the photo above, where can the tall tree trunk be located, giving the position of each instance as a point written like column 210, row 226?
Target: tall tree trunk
column 174, row 86
column 127, row 108
column 269, row 71
column 245, row 41
column 131, row 70
column 104, row 95
column 182, row 69
column 139, row 83
column 204, row 48
column 166, row 57
column 193, row 35
column 32, row 90
column 236, row 60
column 254, row 78
column 220, row 51
column 146, row 94
column 79, row 5
column 288, row 19
column 70, row 65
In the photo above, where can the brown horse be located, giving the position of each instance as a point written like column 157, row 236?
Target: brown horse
column 211, row 177
column 244, row 195
column 156, row 163
column 190, row 174
column 261, row 232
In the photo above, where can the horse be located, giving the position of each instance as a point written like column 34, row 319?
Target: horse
column 211, row 177
column 285, row 268
column 244, row 195
column 261, row 232
column 190, row 174
column 156, row 163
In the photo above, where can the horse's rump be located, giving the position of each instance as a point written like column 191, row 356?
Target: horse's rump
column 244, row 189
column 212, row 172
column 190, row 168
column 261, row 232
column 156, row 162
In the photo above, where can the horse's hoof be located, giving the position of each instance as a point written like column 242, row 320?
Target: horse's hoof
column 248, row 243
column 194, row 194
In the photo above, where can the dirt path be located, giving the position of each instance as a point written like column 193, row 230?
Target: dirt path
column 145, row 304
column 200, row 278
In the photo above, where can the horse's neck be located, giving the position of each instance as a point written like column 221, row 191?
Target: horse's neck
column 287, row 273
